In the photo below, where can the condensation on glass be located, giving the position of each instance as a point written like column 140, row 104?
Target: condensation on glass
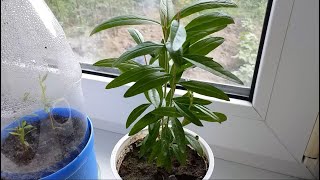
column 40, row 82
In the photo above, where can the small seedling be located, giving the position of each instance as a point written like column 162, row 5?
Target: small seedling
column 45, row 100
column 21, row 131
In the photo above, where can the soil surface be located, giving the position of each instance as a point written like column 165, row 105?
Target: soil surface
column 49, row 148
column 133, row 168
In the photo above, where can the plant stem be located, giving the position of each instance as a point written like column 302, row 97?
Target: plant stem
column 145, row 60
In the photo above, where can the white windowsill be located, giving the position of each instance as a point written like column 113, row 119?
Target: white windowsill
column 105, row 141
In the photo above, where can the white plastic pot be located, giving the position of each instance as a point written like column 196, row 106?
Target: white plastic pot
column 122, row 147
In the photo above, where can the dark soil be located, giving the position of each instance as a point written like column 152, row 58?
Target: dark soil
column 133, row 168
column 49, row 148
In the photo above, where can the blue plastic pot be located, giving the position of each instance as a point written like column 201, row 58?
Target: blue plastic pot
column 81, row 165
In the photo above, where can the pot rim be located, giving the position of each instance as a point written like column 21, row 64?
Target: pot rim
column 205, row 145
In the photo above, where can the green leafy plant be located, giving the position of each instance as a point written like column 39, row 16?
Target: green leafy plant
column 21, row 131
column 180, row 48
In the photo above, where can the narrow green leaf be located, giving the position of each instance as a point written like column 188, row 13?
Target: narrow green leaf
column 185, row 122
column 195, row 36
column 150, row 81
column 163, row 60
column 186, row 100
column 205, row 25
column 154, row 97
column 179, row 136
column 194, row 144
column 150, row 139
column 205, row 46
column 181, row 157
column 156, row 148
column 178, row 35
column 143, row 122
column 204, row 89
column 218, row 117
column 166, row 12
column 139, row 50
column 123, row 66
column 14, row 133
column 209, row 20
column 136, row 113
column 132, row 75
column 177, row 56
column 166, row 111
column 187, row 114
column 203, row 5
column 122, row 21
column 164, row 158
column 136, row 35
column 166, row 134
column 28, row 126
column 211, row 66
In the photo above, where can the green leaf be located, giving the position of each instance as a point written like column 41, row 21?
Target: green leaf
column 132, row 75
column 194, row 36
column 185, row 122
column 179, row 136
column 209, row 20
column 164, row 158
column 214, row 117
column 187, row 114
column 205, row 46
column 178, row 35
column 14, row 133
column 156, row 148
column 150, row 81
column 155, row 96
column 136, row 113
column 122, row 21
column 177, row 56
column 203, row 5
column 166, row 111
column 136, row 35
column 28, row 126
column 166, row 134
column 166, row 12
column 207, row 24
column 186, row 100
column 211, row 66
column 181, row 157
column 143, row 122
column 139, row 50
column 150, row 139
column 109, row 63
column 194, row 144
column 204, row 89
column 217, row 117
column 163, row 59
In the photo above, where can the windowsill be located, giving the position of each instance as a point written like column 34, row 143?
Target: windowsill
column 105, row 141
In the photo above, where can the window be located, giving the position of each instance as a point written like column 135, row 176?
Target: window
column 239, row 53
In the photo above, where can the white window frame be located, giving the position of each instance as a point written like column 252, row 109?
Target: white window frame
column 255, row 133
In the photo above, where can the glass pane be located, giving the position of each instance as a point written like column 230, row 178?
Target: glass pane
column 237, row 54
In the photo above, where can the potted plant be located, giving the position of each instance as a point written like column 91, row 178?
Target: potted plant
column 45, row 134
column 59, row 136
column 158, row 146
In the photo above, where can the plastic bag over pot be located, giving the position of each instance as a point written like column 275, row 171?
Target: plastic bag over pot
column 43, row 124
